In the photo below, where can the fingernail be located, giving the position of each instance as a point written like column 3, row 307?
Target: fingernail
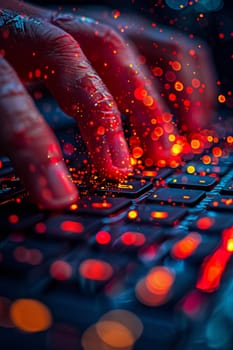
column 52, row 187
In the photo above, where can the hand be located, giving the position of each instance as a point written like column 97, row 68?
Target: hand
column 94, row 74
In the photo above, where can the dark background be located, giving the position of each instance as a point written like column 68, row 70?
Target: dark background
column 210, row 19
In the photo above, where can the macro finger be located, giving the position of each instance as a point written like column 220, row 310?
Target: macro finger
column 76, row 86
column 181, row 64
column 29, row 142
column 153, row 133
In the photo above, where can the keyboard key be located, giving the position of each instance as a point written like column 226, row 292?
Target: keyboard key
column 176, row 196
column 126, row 238
column 97, row 205
column 153, row 174
column 130, row 188
column 18, row 217
column 20, row 255
column 211, row 221
column 24, row 265
column 165, row 284
column 7, row 171
column 193, row 182
column 228, row 188
column 91, row 271
column 67, row 227
column 222, row 203
column 206, row 169
column 194, row 247
column 156, row 214
column 212, row 270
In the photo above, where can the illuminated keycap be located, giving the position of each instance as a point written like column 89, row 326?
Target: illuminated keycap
column 222, row 203
column 211, row 221
column 70, row 227
column 97, row 205
column 161, row 215
column 176, row 196
column 193, row 182
column 131, row 188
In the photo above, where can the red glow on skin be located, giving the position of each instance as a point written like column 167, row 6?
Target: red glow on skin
column 189, row 90
column 172, row 97
column 170, row 76
column 37, row 73
column 72, row 226
column 140, row 93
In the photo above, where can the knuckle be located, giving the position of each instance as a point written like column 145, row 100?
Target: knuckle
column 60, row 42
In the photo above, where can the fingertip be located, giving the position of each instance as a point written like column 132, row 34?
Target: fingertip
column 51, row 187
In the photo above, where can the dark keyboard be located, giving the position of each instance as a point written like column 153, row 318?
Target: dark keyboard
column 144, row 264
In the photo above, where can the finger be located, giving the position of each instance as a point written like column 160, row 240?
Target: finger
column 31, row 145
column 131, row 85
column 73, row 82
column 182, row 65
column 149, row 118
column 187, row 74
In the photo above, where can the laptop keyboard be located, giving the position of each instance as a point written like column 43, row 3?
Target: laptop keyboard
column 142, row 264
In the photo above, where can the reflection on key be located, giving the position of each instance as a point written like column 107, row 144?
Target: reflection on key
column 222, row 203
column 186, row 246
column 193, row 182
column 97, row 205
column 67, row 227
column 176, row 196
column 154, row 174
column 212, row 222
column 161, row 215
column 131, row 188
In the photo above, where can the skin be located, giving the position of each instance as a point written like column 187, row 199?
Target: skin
column 93, row 86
